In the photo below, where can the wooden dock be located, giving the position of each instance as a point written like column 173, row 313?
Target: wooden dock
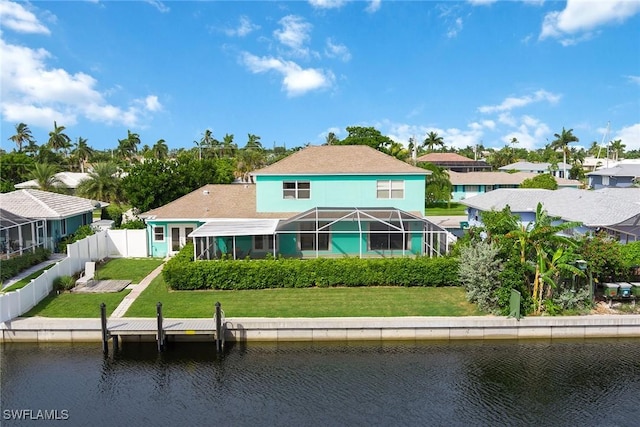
column 160, row 328
column 102, row 286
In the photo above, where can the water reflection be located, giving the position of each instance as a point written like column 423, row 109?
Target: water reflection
column 425, row 383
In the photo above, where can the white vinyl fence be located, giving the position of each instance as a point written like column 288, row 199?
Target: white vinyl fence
column 103, row 244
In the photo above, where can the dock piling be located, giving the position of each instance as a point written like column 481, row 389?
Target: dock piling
column 105, row 332
column 219, row 331
column 160, row 330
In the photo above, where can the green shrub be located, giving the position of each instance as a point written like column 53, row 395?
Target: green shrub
column 182, row 273
column 11, row 267
column 82, row 232
column 479, row 272
column 64, row 283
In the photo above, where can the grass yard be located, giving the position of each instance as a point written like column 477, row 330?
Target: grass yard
column 24, row 282
column 443, row 209
column 134, row 269
column 308, row 302
column 76, row 305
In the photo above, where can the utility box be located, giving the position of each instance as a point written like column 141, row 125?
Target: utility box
column 610, row 290
column 635, row 289
column 625, row 290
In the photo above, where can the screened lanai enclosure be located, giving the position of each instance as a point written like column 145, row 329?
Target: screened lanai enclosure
column 323, row 232
column 19, row 234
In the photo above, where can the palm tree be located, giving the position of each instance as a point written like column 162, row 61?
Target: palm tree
column 83, row 152
column 331, row 139
column 537, row 240
column 228, row 147
column 128, row 147
column 208, row 142
column 23, row 135
column 562, row 142
column 253, row 143
column 160, row 150
column 102, row 184
column 44, row 174
column 617, row 149
column 58, row 140
column 433, row 140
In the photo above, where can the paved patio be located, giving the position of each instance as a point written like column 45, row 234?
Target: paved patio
column 102, row 286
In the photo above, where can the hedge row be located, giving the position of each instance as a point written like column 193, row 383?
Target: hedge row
column 181, row 273
column 13, row 266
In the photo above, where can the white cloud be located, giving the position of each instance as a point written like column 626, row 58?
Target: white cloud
column 36, row 94
column 295, row 79
column 630, row 137
column 17, row 18
column 245, row 27
column 455, row 28
column 151, row 103
column 482, row 2
column 580, row 16
column 336, row 50
column 373, row 6
column 294, row 34
column 163, row 8
column 634, row 79
column 327, row 4
column 514, row 102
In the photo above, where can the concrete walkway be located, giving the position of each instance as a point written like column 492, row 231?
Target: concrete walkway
column 52, row 260
column 135, row 292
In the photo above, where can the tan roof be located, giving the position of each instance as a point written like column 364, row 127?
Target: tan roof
column 444, row 157
column 214, row 201
column 33, row 203
column 339, row 160
column 500, row 178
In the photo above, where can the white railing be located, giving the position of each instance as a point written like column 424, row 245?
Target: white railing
column 103, row 244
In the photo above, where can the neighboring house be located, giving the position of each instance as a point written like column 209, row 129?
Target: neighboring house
column 532, row 167
column 623, row 175
column 471, row 184
column 319, row 201
column 62, row 214
column 19, row 234
column 69, row 180
column 596, row 211
column 455, row 162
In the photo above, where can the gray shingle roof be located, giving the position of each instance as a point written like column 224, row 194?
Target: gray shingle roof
column 33, row 203
column 501, row 178
column 68, row 179
column 532, row 166
column 591, row 208
column 631, row 170
column 340, row 160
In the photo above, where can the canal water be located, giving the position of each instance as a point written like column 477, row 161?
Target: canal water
column 491, row 383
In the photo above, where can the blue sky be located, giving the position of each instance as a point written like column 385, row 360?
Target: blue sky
column 290, row 72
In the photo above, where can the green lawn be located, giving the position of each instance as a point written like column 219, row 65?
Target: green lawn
column 134, row 269
column 76, row 305
column 312, row 302
column 24, row 282
column 453, row 209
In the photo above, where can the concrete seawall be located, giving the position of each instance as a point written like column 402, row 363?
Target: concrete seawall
column 38, row 329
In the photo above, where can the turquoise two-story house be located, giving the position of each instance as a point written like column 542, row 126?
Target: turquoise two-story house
column 322, row 201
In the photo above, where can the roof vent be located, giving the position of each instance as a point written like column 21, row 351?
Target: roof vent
column 205, row 192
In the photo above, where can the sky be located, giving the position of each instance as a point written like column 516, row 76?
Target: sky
column 290, row 72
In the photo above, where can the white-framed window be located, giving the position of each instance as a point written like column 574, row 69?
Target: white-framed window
column 263, row 242
column 307, row 237
column 158, row 234
column 390, row 189
column 296, row 189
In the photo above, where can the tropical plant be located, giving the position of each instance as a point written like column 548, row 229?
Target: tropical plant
column 562, row 141
column 540, row 243
column 58, row 140
column 331, row 139
column 44, row 174
column 358, row 135
column 432, row 141
column 617, row 149
column 439, row 185
column 102, row 184
column 479, row 270
column 543, row 180
column 23, row 135
column 160, row 150
column 82, row 152
column 128, row 147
